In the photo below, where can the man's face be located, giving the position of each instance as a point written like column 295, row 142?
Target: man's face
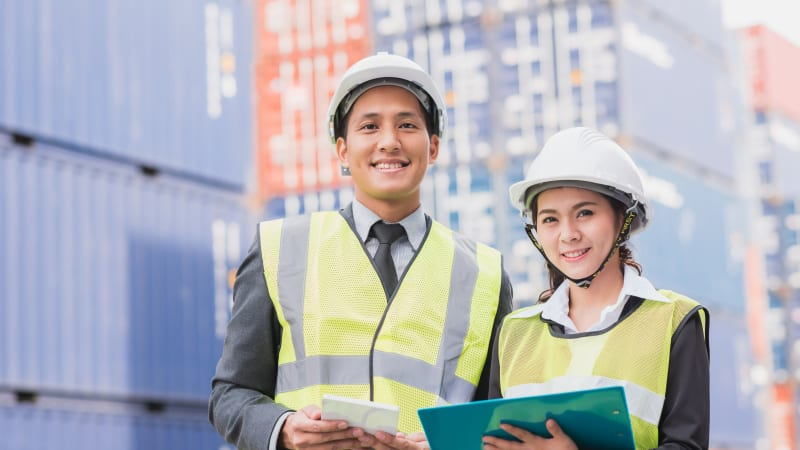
column 387, row 149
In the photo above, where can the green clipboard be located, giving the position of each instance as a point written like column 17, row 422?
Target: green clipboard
column 594, row 419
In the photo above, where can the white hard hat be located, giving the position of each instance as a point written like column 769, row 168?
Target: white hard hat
column 386, row 69
column 585, row 158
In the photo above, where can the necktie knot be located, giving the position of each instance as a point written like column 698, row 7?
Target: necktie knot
column 387, row 233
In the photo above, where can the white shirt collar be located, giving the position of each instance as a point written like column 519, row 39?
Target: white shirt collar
column 415, row 223
column 634, row 285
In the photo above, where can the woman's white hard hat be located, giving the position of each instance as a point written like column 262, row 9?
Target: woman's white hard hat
column 385, row 69
column 584, row 158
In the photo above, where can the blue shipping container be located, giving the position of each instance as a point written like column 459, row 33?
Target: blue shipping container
column 112, row 282
column 736, row 421
column 690, row 218
column 694, row 243
column 305, row 203
column 457, row 58
column 61, row 424
column 675, row 95
column 164, row 84
column 781, row 139
column 702, row 19
column 513, row 80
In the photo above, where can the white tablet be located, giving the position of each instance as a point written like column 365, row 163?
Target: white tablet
column 370, row 416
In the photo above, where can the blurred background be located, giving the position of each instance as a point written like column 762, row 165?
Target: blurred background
column 141, row 141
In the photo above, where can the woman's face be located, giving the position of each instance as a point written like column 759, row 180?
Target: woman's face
column 576, row 228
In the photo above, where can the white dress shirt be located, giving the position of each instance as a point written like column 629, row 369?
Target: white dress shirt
column 557, row 307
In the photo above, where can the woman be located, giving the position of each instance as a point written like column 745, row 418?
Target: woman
column 601, row 323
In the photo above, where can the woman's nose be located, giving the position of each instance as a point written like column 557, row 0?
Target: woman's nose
column 569, row 232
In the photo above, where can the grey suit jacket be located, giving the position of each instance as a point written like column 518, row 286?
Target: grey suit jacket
column 241, row 406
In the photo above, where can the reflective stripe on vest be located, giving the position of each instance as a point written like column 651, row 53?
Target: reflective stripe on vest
column 633, row 354
column 339, row 336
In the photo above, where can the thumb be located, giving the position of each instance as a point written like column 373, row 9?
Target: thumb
column 312, row 412
column 416, row 437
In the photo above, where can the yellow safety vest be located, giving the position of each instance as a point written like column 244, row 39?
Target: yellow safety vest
column 427, row 348
column 634, row 354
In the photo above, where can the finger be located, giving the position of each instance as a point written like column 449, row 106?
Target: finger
column 400, row 441
column 309, row 419
column 342, row 444
column 492, row 442
column 519, row 433
column 554, row 428
column 385, row 441
column 312, row 412
column 417, row 437
column 334, row 440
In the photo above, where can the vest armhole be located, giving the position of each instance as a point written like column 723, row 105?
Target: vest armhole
column 704, row 317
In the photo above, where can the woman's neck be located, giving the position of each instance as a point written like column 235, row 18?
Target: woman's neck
column 586, row 304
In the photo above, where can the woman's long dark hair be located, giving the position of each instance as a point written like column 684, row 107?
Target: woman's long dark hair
column 625, row 257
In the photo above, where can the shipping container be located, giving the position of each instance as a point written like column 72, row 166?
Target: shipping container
column 737, row 418
column 165, row 85
column 72, row 424
column 674, row 95
column 773, row 66
column 778, row 154
column 113, row 280
column 513, row 80
column 391, row 17
column 304, row 203
column 695, row 243
column 303, row 49
column 487, row 98
column 294, row 152
column 291, row 27
column 699, row 21
column 690, row 217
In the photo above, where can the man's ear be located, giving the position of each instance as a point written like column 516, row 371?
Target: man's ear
column 434, row 149
column 341, row 153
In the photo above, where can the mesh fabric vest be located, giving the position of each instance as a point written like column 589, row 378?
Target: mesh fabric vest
column 428, row 347
column 634, row 353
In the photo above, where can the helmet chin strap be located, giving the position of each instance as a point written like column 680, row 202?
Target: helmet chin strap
column 585, row 282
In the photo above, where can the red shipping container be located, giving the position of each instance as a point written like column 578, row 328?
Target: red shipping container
column 297, row 26
column 774, row 69
column 304, row 47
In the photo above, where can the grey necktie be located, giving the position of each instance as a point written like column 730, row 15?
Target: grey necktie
column 386, row 235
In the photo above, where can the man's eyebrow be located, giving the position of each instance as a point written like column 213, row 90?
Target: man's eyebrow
column 401, row 115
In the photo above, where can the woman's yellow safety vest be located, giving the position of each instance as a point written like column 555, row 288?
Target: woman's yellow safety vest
column 428, row 347
column 634, row 354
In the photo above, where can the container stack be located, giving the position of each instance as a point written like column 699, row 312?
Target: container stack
column 125, row 151
column 303, row 48
column 655, row 76
column 773, row 65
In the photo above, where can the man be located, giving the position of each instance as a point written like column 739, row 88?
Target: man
column 342, row 303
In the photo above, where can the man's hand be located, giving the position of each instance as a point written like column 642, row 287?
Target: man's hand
column 399, row 441
column 305, row 429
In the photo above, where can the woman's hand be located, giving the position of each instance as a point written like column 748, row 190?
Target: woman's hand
column 400, row 441
column 559, row 441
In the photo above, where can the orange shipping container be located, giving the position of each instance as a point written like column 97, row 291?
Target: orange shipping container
column 782, row 433
column 774, row 69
